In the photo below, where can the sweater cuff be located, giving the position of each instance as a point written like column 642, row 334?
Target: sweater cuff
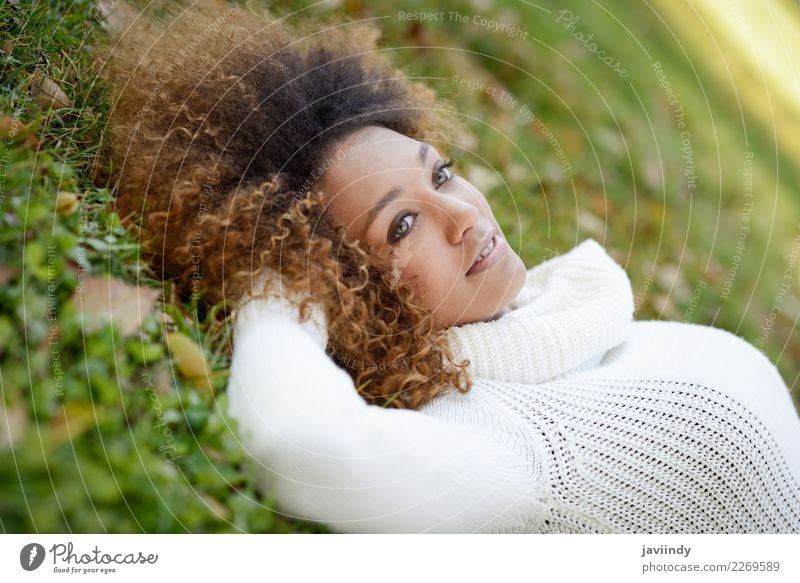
column 270, row 297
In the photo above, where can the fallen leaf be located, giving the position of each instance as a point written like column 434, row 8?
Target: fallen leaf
column 8, row 46
column 47, row 94
column 190, row 360
column 7, row 273
column 77, row 419
column 66, row 203
column 103, row 299
column 14, row 420
column 10, row 126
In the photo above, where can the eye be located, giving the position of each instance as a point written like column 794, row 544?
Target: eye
column 401, row 227
column 442, row 173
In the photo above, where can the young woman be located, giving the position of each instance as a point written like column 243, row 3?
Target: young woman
column 396, row 368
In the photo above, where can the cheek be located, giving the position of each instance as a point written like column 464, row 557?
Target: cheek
column 434, row 278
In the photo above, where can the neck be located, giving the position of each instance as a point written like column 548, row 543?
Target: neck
column 499, row 314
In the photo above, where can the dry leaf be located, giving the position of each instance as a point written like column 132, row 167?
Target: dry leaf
column 102, row 299
column 14, row 420
column 66, row 203
column 189, row 358
column 47, row 94
column 10, row 125
column 8, row 46
column 7, row 273
column 77, row 419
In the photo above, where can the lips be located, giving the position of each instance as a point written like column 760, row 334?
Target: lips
column 487, row 242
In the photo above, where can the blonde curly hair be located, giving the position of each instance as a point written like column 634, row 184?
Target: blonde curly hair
column 219, row 119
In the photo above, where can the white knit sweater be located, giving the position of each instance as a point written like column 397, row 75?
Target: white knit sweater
column 580, row 419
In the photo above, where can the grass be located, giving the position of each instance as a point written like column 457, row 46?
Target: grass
column 144, row 445
column 100, row 432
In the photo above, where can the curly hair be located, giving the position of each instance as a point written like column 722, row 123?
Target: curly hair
column 219, row 120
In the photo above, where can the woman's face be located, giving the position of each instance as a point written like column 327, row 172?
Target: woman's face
column 391, row 193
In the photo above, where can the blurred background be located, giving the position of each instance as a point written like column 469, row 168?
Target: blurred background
column 666, row 130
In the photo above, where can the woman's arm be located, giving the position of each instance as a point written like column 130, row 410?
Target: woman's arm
column 326, row 455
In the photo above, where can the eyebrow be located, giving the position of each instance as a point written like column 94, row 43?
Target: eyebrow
column 390, row 196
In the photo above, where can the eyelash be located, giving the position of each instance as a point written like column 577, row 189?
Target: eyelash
column 394, row 238
column 447, row 164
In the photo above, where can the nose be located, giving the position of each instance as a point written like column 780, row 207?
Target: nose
column 459, row 216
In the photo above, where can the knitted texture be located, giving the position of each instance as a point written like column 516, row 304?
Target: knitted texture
column 638, row 456
column 579, row 420
column 571, row 308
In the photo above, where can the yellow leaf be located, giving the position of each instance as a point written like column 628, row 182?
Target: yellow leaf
column 78, row 417
column 66, row 203
column 190, row 360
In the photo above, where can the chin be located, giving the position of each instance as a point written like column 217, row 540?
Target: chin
column 518, row 281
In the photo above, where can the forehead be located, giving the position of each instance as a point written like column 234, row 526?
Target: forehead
column 367, row 151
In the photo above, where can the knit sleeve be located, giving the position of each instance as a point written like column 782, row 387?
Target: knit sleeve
column 325, row 455
column 571, row 309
